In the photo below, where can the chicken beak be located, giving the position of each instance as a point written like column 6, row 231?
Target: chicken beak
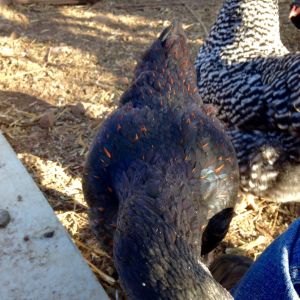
column 174, row 29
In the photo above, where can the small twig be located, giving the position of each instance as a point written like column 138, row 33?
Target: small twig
column 104, row 276
column 264, row 232
column 81, row 205
column 287, row 213
column 23, row 73
column 243, row 214
column 260, row 240
column 96, row 251
column 198, row 18
column 275, row 220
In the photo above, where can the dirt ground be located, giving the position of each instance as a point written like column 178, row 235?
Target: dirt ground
column 63, row 69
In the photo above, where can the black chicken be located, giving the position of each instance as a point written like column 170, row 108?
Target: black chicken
column 229, row 269
column 157, row 171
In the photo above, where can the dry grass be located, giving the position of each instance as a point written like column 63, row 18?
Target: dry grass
column 52, row 58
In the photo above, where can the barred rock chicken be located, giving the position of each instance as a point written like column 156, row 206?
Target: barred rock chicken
column 246, row 72
column 157, row 171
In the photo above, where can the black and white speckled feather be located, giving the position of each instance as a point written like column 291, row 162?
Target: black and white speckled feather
column 245, row 70
column 160, row 174
column 247, row 73
column 269, row 164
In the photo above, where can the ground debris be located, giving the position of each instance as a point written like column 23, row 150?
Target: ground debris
column 47, row 119
column 4, row 218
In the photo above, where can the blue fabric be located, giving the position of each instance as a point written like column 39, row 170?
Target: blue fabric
column 276, row 273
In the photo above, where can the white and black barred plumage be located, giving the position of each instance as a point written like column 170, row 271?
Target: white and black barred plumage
column 244, row 69
column 269, row 163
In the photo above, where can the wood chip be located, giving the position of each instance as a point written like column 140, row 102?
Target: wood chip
column 104, row 276
column 78, row 109
column 47, row 120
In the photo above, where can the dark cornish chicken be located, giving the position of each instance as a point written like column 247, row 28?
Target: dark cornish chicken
column 161, row 174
